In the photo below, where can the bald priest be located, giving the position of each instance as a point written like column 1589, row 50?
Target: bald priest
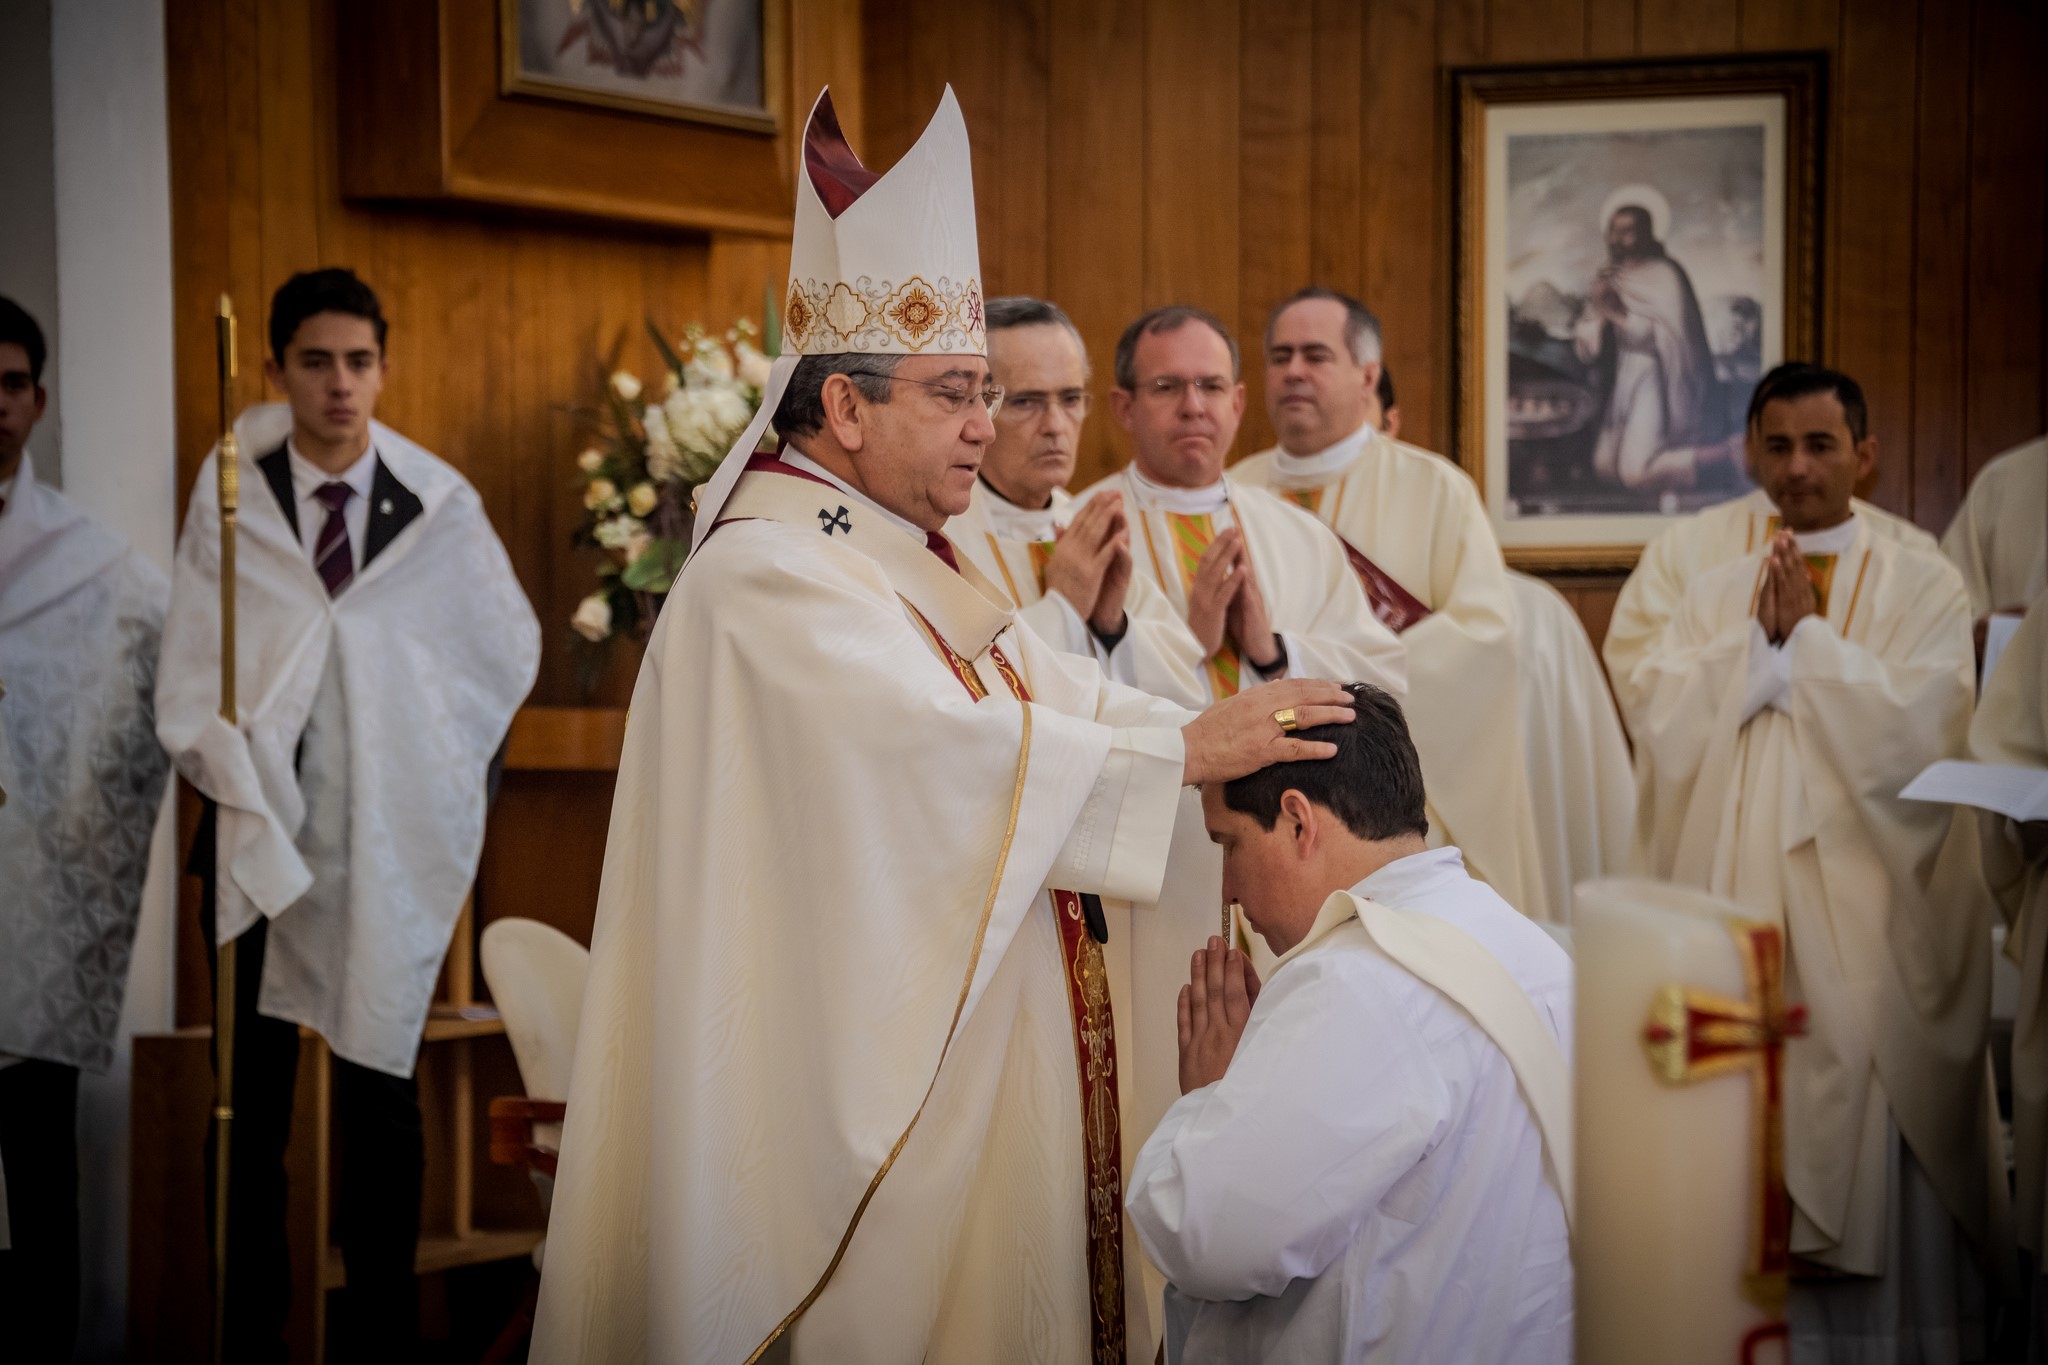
column 845, row 1085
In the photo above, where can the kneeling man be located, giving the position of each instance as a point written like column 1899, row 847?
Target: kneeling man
column 1365, row 1163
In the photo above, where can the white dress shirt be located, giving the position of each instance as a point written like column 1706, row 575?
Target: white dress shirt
column 308, row 478
column 1366, row 1182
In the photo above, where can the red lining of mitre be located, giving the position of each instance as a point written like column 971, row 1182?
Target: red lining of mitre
column 836, row 173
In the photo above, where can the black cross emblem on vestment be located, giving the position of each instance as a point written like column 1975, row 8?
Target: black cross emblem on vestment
column 835, row 521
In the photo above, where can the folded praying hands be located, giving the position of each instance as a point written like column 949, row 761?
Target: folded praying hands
column 1214, row 1006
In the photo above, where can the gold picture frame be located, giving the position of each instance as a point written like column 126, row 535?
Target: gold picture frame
column 514, row 78
column 1603, row 359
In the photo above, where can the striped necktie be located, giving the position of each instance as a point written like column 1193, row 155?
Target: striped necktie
column 1192, row 533
column 331, row 554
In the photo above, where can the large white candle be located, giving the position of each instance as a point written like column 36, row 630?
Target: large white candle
column 1680, row 1202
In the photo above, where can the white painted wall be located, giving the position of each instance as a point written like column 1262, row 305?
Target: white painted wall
column 114, row 379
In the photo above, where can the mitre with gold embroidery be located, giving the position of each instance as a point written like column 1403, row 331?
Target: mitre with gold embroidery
column 880, row 264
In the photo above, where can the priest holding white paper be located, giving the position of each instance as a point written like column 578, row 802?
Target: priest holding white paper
column 1795, row 692
column 383, row 647
column 1415, row 530
column 845, row 1077
column 2011, row 727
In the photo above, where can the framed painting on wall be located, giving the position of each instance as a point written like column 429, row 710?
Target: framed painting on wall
column 701, row 60
column 1637, row 244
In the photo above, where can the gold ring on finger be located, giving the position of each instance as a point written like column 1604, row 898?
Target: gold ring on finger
column 1289, row 722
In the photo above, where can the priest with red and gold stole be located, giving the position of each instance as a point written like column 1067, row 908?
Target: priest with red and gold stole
column 1795, row 691
column 845, row 1077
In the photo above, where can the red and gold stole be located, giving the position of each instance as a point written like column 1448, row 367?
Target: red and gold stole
column 1392, row 605
column 1094, row 1062
column 1192, row 533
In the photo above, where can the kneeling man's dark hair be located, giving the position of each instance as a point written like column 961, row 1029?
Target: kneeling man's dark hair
column 1374, row 784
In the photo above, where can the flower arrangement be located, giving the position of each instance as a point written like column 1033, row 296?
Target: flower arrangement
column 645, row 461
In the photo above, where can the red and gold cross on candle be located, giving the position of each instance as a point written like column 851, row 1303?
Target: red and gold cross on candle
column 1692, row 1035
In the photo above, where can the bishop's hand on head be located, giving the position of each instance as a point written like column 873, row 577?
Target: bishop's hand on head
column 1242, row 734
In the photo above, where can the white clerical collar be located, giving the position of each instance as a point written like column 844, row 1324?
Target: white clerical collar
column 1833, row 541
column 1186, row 501
column 1403, row 877
column 796, row 459
column 1011, row 522
column 1325, row 463
column 307, row 476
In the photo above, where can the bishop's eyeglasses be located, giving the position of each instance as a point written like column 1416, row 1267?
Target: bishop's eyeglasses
column 953, row 396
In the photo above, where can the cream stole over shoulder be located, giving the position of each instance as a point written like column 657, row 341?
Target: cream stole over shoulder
column 1448, row 960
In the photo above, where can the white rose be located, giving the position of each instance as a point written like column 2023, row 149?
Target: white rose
column 590, row 461
column 731, row 410
column 593, row 618
column 625, row 385
column 637, row 546
column 753, row 367
column 689, row 424
column 642, row 499
column 600, row 492
column 713, row 359
column 617, row 532
column 664, row 461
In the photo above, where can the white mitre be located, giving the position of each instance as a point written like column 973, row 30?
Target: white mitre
column 880, row 265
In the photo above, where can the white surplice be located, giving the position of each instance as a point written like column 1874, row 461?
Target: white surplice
column 352, row 793
column 1418, row 517
column 1695, row 544
column 825, row 1100
column 1999, row 538
column 1006, row 542
column 2011, row 726
column 81, row 773
column 1582, row 776
column 1770, row 776
column 1368, row 1181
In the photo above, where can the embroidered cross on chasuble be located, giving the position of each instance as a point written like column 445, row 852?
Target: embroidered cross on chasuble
column 1693, row 1035
column 1192, row 534
column 1094, row 1060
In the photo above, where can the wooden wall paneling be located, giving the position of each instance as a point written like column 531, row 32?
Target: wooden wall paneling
column 1095, row 257
column 545, row 845
column 972, row 62
column 1869, row 264
column 1191, row 137
column 1671, row 28
column 886, row 27
column 827, row 48
column 741, row 274
column 1276, row 174
column 1941, row 266
column 1789, row 25
column 1611, row 28
column 196, row 107
column 1401, row 193
column 1337, row 146
column 1024, row 53
column 2008, row 151
column 1535, row 30
column 296, row 78
column 1460, row 41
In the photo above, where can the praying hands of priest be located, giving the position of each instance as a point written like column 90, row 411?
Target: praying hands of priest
column 1224, row 602
column 1785, row 596
column 1091, row 565
column 1214, row 1005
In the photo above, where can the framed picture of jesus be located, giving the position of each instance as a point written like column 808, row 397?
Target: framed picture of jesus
column 1637, row 244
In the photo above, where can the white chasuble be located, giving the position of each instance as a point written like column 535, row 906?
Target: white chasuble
column 1770, row 777
column 826, row 1103
column 81, row 773
column 1695, row 544
column 1377, row 1174
column 2011, row 726
column 1012, row 546
column 1999, row 538
column 1582, row 777
column 1418, row 519
column 352, row 792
